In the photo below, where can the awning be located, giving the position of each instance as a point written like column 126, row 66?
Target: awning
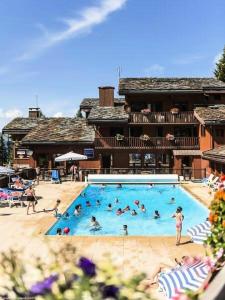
column 187, row 152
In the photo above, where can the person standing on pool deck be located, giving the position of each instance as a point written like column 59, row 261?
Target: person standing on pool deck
column 179, row 222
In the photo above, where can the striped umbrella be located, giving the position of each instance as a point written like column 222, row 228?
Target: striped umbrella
column 199, row 233
column 189, row 277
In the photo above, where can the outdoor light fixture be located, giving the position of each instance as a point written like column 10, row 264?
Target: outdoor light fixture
column 30, row 152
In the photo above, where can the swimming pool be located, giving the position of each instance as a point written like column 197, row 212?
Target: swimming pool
column 156, row 197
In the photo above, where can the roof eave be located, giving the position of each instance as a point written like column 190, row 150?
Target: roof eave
column 93, row 121
column 157, row 91
column 55, row 142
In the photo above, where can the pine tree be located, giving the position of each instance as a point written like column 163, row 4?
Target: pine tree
column 220, row 67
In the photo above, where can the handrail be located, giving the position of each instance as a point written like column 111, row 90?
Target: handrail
column 163, row 117
column 151, row 143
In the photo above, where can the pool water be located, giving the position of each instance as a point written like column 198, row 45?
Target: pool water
column 154, row 198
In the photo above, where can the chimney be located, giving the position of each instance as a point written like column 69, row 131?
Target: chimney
column 106, row 96
column 34, row 112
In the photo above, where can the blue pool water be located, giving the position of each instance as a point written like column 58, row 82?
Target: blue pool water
column 154, row 198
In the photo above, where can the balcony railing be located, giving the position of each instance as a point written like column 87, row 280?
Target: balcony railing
column 163, row 117
column 152, row 143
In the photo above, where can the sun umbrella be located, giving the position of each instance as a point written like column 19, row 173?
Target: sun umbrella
column 70, row 157
column 6, row 171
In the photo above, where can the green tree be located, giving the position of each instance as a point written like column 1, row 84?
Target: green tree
column 79, row 114
column 220, row 67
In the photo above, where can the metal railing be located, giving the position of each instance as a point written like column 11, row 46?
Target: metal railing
column 163, row 117
column 151, row 143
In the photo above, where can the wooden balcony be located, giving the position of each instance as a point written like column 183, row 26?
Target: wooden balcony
column 152, row 143
column 186, row 117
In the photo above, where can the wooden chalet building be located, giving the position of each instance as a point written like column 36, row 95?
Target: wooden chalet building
column 161, row 125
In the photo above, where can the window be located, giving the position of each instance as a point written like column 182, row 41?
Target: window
column 136, row 131
column 149, row 160
column 220, row 132
column 217, row 97
column 202, row 130
column 163, row 159
column 135, row 160
column 116, row 130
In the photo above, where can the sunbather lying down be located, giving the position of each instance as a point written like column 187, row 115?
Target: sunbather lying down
column 164, row 268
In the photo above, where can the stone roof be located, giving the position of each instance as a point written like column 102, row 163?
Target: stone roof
column 21, row 124
column 215, row 154
column 108, row 113
column 60, row 130
column 93, row 102
column 214, row 114
column 168, row 84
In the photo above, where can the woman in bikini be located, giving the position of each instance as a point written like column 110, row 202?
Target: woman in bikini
column 30, row 193
column 179, row 222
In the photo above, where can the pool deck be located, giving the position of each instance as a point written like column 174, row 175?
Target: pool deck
column 132, row 254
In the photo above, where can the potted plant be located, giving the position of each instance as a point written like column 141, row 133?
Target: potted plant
column 119, row 137
column 144, row 137
column 174, row 110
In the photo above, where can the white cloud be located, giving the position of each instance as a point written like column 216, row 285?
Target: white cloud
column 10, row 114
column 217, row 58
column 59, row 114
column 188, row 59
column 154, row 69
column 87, row 19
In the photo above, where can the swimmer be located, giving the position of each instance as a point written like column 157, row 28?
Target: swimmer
column 172, row 200
column 88, row 204
column 98, row 203
column 116, row 200
column 150, row 185
column 125, row 230
column 119, row 212
column 119, row 186
column 65, row 215
column 94, row 224
column 109, row 207
column 59, row 231
column 136, row 202
column 127, row 208
column 77, row 210
column 156, row 215
column 83, row 195
column 133, row 213
column 143, row 209
column 174, row 186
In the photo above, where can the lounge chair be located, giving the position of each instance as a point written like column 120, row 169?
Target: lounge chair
column 55, row 176
column 189, row 277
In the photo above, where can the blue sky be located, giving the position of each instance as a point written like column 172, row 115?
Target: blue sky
column 62, row 50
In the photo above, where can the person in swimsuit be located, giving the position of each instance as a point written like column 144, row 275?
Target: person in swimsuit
column 94, row 224
column 143, row 209
column 109, row 207
column 179, row 222
column 30, row 193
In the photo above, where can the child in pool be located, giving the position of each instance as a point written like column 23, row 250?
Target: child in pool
column 133, row 213
column 116, row 200
column 125, row 230
column 59, row 231
column 127, row 208
column 143, row 209
column 156, row 215
column 98, row 203
column 94, row 224
column 119, row 212
column 77, row 210
column 172, row 200
column 88, row 204
column 109, row 207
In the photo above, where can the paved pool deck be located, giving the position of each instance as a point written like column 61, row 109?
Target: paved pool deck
column 132, row 254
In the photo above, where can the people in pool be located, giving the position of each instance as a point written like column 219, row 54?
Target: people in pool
column 172, row 200
column 98, row 203
column 83, row 195
column 127, row 208
column 109, row 207
column 116, row 200
column 143, row 209
column 125, row 230
column 119, row 212
column 59, row 231
column 88, row 203
column 137, row 202
column 65, row 215
column 156, row 214
column 94, row 224
column 133, row 212
column 151, row 185
column 77, row 210
column 119, row 186
column 174, row 186
column 179, row 222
